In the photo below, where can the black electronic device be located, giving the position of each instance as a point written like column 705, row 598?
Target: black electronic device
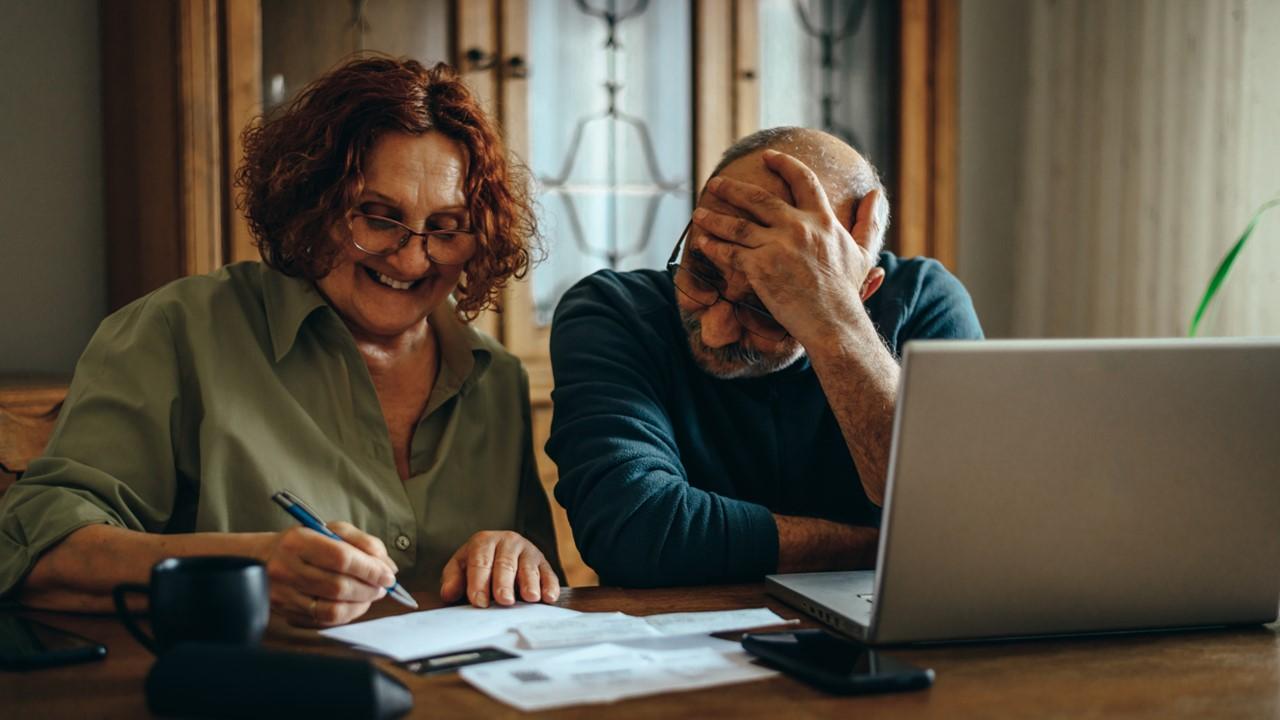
column 835, row 664
column 27, row 645
column 227, row 681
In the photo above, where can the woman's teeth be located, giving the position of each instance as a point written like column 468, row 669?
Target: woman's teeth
column 392, row 283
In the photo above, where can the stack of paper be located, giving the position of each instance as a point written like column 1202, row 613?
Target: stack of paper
column 619, row 656
column 584, row 629
column 609, row 672
column 587, row 628
column 415, row 635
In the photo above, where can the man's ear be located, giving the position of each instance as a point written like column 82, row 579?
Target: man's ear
column 869, row 286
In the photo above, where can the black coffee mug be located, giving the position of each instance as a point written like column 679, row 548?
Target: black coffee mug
column 212, row 599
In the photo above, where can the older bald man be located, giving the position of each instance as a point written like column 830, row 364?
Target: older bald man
column 730, row 417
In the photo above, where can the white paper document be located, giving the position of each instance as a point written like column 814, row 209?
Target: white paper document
column 607, row 673
column 701, row 623
column 584, row 629
column 588, row 628
column 414, row 635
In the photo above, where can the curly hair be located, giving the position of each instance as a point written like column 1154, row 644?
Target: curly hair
column 303, row 170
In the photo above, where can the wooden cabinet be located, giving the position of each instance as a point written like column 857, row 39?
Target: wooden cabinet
column 28, row 410
column 164, row 152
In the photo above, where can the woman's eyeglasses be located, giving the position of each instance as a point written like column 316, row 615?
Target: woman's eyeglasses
column 378, row 235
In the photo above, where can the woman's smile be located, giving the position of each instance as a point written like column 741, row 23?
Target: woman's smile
column 390, row 282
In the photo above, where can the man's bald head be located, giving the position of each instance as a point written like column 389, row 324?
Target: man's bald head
column 845, row 175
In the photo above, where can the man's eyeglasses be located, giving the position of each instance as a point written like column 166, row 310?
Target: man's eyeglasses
column 378, row 235
column 703, row 290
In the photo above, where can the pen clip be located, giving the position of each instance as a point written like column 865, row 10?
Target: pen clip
column 291, row 499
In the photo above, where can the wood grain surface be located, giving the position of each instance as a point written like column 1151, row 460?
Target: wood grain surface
column 28, row 410
column 1219, row 673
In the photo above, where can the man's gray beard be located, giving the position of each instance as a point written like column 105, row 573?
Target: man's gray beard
column 742, row 362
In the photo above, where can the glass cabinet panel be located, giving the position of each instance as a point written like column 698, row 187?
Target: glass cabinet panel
column 832, row 64
column 610, row 136
column 301, row 39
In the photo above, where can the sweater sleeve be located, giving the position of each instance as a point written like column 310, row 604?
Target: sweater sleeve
column 635, row 517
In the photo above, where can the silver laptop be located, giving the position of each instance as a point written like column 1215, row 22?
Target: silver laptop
column 1056, row 487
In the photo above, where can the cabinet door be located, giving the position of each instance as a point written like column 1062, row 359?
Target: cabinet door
column 600, row 107
column 302, row 39
column 830, row 64
column 163, row 156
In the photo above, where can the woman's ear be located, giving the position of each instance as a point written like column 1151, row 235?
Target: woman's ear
column 869, row 286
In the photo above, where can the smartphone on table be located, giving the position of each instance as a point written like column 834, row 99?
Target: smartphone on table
column 835, row 664
column 27, row 645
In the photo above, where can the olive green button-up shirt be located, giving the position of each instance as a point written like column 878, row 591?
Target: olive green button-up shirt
column 193, row 405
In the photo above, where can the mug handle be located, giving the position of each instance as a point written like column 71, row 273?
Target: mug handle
column 118, row 594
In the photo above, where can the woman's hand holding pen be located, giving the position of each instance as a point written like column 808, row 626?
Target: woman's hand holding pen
column 317, row 581
column 492, row 565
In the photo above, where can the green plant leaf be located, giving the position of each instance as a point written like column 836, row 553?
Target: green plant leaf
column 1224, row 267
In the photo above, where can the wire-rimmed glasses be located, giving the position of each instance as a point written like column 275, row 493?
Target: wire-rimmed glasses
column 703, row 290
column 378, row 235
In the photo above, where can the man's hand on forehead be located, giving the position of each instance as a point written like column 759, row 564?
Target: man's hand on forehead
column 732, row 280
column 803, row 264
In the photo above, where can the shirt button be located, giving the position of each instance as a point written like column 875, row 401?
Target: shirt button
column 402, row 542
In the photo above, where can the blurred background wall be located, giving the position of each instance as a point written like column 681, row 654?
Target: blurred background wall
column 1110, row 154
column 993, row 82
column 1151, row 138
column 52, row 266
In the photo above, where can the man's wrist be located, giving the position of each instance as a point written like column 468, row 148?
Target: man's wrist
column 853, row 335
column 808, row 544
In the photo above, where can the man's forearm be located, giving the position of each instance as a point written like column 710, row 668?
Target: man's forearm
column 860, row 379
column 808, row 544
column 78, row 573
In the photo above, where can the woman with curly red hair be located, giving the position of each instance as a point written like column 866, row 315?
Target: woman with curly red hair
column 342, row 368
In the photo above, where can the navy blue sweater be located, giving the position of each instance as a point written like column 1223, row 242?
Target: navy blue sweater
column 670, row 476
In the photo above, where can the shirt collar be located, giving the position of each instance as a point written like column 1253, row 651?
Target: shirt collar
column 290, row 301
column 464, row 356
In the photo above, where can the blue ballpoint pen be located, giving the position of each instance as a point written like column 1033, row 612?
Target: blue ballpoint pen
column 305, row 515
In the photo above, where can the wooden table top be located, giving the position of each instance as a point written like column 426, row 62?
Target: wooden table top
column 1221, row 673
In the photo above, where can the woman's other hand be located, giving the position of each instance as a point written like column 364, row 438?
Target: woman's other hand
column 317, row 581
column 492, row 564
